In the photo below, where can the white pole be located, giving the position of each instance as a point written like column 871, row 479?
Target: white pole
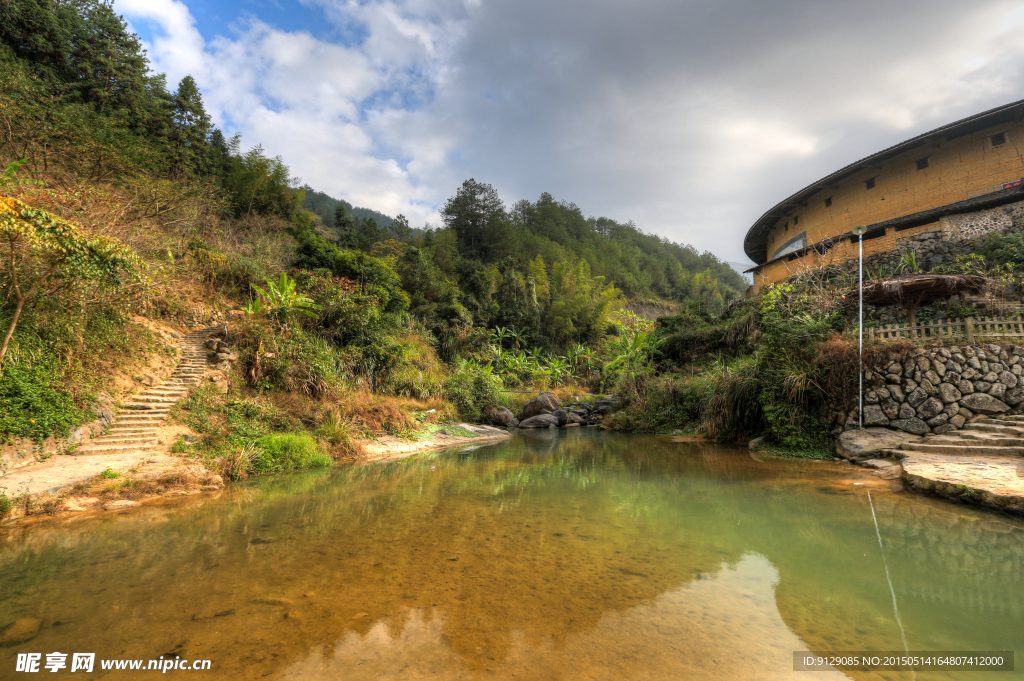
column 860, row 345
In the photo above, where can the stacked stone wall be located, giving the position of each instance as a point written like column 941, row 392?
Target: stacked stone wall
column 935, row 390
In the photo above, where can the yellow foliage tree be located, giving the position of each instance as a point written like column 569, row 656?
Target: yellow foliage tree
column 43, row 249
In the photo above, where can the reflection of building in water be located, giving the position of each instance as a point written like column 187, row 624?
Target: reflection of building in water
column 899, row 192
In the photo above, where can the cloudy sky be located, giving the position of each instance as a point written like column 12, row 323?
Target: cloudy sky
column 690, row 117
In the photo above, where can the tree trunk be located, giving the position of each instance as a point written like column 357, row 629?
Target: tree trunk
column 10, row 329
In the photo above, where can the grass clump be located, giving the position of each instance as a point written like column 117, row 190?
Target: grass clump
column 5, row 505
column 287, row 452
column 110, row 474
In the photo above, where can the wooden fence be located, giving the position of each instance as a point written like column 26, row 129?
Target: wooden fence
column 966, row 329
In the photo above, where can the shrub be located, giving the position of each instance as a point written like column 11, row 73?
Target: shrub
column 32, row 403
column 287, row 452
column 473, row 389
column 5, row 505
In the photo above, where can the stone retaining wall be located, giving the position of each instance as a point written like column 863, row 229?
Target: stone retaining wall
column 934, row 390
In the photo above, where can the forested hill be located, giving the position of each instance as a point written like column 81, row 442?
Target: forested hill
column 324, row 205
column 479, row 228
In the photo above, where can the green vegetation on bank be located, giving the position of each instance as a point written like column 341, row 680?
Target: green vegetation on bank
column 355, row 324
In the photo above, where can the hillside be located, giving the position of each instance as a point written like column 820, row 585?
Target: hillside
column 130, row 204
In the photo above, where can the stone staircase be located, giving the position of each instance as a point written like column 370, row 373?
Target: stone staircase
column 134, row 429
column 981, row 463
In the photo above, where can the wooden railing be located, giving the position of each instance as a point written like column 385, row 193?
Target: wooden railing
column 967, row 329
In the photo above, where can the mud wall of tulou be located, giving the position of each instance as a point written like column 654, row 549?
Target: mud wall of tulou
column 934, row 390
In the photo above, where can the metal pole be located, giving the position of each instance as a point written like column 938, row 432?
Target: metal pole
column 860, row 347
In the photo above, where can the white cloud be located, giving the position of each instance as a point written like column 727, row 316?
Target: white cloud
column 691, row 118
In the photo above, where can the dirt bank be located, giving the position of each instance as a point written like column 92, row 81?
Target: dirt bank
column 68, row 485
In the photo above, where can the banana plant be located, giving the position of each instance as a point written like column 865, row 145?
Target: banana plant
column 8, row 179
column 281, row 298
column 634, row 354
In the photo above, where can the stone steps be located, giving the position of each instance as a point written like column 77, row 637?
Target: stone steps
column 965, row 449
column 135, row 427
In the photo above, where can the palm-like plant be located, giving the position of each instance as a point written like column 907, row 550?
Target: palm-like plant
column 281, row 298
column 633, row 354
column 8, row 179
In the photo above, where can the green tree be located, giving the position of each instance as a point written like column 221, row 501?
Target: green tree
column 473, row 208
column 344, row 226
column 47, row 255
column 190, row 153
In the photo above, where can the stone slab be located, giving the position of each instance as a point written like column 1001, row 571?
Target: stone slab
column 995, row 481
column 870, row 442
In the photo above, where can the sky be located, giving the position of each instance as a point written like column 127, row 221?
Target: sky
column 690, row 117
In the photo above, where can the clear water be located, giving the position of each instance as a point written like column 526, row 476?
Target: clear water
column 558, row 555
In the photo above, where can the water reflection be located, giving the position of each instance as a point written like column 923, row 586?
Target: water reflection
column 559, row 555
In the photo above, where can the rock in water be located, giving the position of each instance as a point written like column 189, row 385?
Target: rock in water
column 562, row 417
column 869, row 442
column 539, row 421
column 980, row 403
column 542, row 404
column 500, row 416
column 573, row 417
column 21, row 631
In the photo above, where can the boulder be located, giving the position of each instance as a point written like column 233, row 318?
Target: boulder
column 539, row 421
column 930, row 408
column 542, row 404
column 606, row 406
column 514, row 423
column 869, row 442
column 562, row 416
column 499, row 416
column 874, row 416
column 906, row 411
column 573, row 417
column 981, row 403
column 914, row 425
column 948, row 393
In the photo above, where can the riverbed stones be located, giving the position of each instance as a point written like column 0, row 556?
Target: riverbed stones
column 539, row 421
column 869, row 442
column 500, row 416
column 21, row 631
column 981, row 403
column 542, row 404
